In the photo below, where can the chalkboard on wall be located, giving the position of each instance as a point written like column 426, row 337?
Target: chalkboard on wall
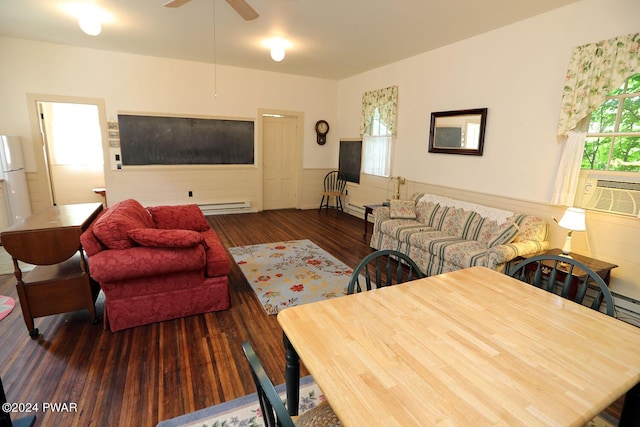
column 155, row 140
column 349, row 160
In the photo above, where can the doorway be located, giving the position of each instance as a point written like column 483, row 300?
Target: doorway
column 281, row 160
column 72, row 147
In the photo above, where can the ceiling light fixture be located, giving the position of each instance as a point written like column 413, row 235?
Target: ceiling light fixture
column 90, row 24
column 277, row 53
column 278, row 47
column 90, row 16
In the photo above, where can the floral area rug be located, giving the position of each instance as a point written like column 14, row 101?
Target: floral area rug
column 244, row 411
column 285, row 274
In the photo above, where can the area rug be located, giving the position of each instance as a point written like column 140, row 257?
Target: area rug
column 244, row 411
column 285, row 274
column 6, row 306
column 6, row 263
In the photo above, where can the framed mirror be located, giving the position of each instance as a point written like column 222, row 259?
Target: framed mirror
column 458, row 132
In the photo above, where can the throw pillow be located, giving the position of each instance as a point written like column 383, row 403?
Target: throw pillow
column 184, row 217
column 402, row 209
column 501, row 235
column 113, row 226
column 159, row 238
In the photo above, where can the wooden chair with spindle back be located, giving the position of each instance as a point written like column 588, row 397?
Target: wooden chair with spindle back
column 567, row 277
column 274, row 413
column 396, row 266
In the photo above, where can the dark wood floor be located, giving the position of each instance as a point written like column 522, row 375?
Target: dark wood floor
column 151, row 373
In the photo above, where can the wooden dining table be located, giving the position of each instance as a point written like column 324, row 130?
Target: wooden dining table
column 472, row 347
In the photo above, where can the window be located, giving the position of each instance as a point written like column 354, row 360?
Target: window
column 609, row 180
column 613, row 138
column 377, row 147
column 378, row 127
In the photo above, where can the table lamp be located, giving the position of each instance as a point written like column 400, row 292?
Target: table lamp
column 573, row 220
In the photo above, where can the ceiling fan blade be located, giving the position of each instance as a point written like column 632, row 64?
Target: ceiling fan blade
column 242, row 7
column 175, row 3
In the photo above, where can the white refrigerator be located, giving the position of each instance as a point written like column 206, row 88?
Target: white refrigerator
column 15, row 181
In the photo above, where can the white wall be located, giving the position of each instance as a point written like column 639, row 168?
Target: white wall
column 517, row 72
column 136, row 83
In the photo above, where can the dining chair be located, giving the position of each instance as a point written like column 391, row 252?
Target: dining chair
column 334, row 184
column 567, row 277
column 396, row 266
column 274, row 413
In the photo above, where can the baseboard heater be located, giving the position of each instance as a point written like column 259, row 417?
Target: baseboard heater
column 355, row 210
column 225, row 207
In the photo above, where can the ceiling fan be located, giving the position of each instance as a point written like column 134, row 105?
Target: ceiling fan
column 241, row 6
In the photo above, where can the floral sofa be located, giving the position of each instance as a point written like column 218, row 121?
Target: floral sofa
column 156, row 264
column 442, row 234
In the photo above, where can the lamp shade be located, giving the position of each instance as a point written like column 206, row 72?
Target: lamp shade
column 573, row 219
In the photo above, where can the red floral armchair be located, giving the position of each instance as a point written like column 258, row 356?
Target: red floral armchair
column 155, row 264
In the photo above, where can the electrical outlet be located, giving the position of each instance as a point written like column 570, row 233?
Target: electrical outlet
column 190, row 193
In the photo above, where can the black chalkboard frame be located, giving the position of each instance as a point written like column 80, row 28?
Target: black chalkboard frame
column 350, row 159
column 155, row 139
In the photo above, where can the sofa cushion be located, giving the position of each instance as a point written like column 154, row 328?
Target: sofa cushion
column 499, row 234
column 185, row 217
column 397, row 227
column 402, row 209
column 531, row 228
column 439, row 245
column 438, row 216
column 154, row 237
column 424, row 211
column 461, row 223
column 112, row 228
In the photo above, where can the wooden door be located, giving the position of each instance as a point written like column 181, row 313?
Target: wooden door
column 280, row 178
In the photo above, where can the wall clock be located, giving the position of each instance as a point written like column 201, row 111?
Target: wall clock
column 322, row 128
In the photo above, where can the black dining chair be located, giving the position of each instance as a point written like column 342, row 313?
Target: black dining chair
column 274, row 413
column 334, row 184
column 566, row 277
column 396, row 266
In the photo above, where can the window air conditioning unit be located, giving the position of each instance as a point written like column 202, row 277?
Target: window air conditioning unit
column 620, row 195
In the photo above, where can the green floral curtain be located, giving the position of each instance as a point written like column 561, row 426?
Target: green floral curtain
column 595, row 70
column 386, row 100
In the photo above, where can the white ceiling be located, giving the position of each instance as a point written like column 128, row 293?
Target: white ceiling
column 331, row 39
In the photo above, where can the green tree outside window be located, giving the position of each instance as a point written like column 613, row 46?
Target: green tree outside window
column 613, row 139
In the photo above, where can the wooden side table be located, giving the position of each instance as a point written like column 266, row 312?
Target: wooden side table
column 601, row 268
column 368, row 209
column 60, row 282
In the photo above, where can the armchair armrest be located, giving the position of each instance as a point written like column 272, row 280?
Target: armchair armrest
column 121, row 264
column 504, row 253
column 382, row 212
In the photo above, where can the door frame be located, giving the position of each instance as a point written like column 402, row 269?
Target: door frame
column 299, row 116
column 39, row 148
